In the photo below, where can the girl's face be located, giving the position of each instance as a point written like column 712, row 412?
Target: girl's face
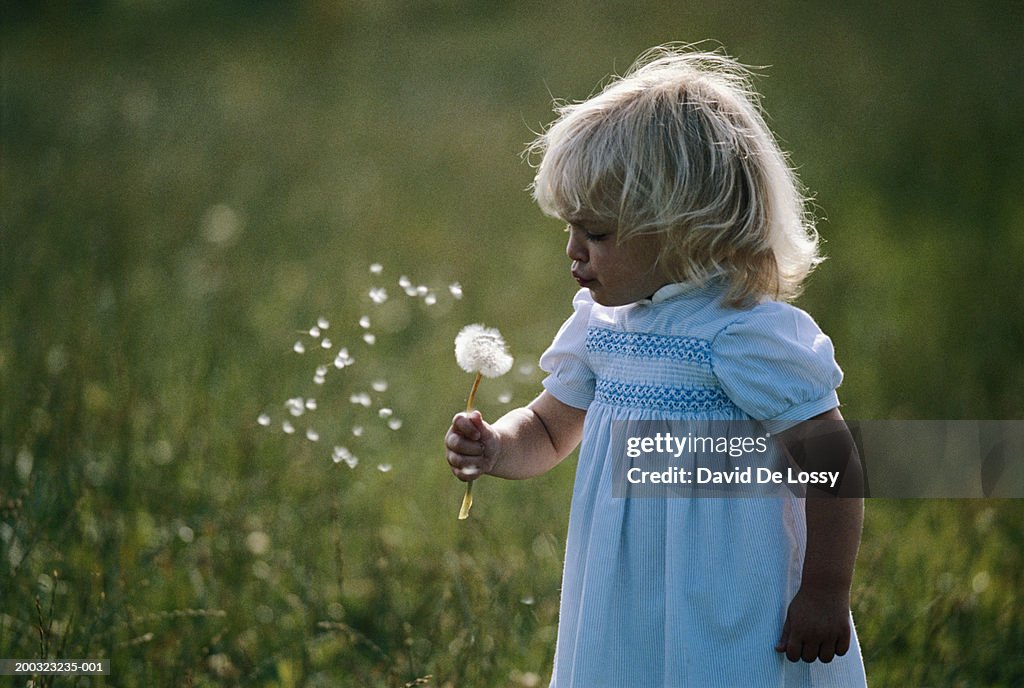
column 616, row 273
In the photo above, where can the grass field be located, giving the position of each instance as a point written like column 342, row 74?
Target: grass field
column 186, row 189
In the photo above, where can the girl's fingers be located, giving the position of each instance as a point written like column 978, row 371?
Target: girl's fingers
column 463, row 424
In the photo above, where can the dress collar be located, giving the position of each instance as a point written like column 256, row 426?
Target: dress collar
column 667, row 292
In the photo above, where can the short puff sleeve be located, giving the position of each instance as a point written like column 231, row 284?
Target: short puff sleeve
column 570, row 379
column 777, row 365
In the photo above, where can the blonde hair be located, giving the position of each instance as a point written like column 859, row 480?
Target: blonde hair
column 679, row 147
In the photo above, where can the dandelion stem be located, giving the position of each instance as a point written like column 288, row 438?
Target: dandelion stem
column 467, row 499
column 472, row 392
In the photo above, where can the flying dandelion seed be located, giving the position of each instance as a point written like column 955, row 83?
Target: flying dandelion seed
column 310, row 404
column 321, row 370
column 263, row 420
column 323, row 323
column 384, row 467
column 527, row 369
column 404, row 282
column 319, row 379
column 376, row 269
column 352, row 461
column 504, row 397
column 410, row 290
column 456, row 290
column 299, row 348
column 395, row 423
column 361, row 399
column 295, row 406
column 312, row 435
column 364, row 322
column 357, row 431
column 378, row 295
column 379, row 385
column 287, row 428
column 370, row 338
column 422, row 290
column 430, row 299
column 326, row 343
column 314, row 332
column 385, row 413
column 343, row 359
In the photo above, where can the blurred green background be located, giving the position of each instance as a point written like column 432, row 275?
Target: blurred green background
column 186, row 187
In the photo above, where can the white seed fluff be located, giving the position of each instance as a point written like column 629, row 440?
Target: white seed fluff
column 480, row 349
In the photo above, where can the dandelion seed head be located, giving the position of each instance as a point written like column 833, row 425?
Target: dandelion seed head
column 312, row 435
column 323, row 323
column 376, row 268
column 456, row 290
column 370, row 338
column 299, row 348
column 384, row 467
column 263, row 419
column 364, row 322
column 482, row 349
column 378, row 295
column 379, row 385
column 385, row 413
column 395, row 423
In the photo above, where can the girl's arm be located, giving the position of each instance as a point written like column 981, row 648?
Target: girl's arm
column 818, row 620
column 523, row 443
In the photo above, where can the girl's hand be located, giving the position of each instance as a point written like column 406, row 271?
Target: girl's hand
column 817, row 625
column 472, row 446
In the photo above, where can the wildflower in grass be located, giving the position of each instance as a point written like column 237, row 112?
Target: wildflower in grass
column 479, row 350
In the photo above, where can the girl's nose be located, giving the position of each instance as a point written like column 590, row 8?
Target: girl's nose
column 575, row 249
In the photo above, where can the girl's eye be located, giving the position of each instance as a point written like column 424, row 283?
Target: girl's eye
column 588, row 236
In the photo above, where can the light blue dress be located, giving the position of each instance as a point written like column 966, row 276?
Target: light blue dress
column 685, row 591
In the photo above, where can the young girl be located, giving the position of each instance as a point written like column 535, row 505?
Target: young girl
column 687, row 234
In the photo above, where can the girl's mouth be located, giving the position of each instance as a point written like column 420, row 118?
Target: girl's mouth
column 582, row 281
